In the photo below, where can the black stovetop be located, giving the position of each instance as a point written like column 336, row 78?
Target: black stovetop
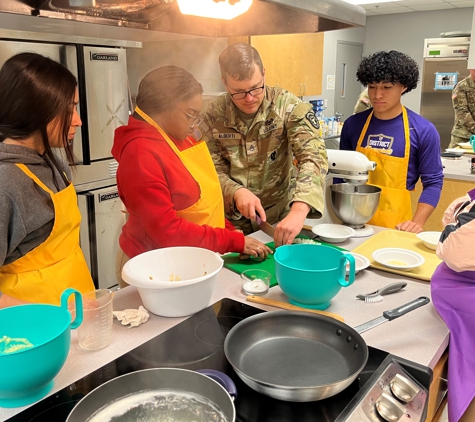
column 197, row 343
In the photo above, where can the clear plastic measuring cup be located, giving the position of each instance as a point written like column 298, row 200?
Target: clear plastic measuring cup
column 95, row 332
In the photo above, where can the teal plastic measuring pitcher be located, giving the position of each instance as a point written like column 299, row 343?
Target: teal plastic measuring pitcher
column 311, row 275
column 472, row 142
column 27, row 373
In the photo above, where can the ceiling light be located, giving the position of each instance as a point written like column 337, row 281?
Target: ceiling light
column 360, row 2
column 216, row 9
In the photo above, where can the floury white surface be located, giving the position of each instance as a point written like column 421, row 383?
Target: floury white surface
column 421, row 336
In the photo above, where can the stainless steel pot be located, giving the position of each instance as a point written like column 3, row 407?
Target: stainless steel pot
column 354, row 204
column 300, row 357
column 169, row 379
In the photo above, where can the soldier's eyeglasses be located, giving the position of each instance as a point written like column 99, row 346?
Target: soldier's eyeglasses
column 195, row 122
column 252, row 92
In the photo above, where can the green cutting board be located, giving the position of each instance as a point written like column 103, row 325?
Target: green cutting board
column 237, row 265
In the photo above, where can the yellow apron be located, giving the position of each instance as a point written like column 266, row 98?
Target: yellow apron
column 58, row 263
column 209, row 209
column 391, row 176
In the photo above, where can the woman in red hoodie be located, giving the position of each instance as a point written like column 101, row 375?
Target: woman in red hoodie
column 166, row 178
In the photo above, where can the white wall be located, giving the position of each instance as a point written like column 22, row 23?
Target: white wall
column 331, row 38
column 471, row 53
column 406, row 32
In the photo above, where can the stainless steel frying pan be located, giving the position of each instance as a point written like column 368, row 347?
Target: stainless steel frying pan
column 300, row 357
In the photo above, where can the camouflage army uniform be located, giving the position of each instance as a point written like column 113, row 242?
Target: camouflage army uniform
column 363, row 102
column 261, row 158
column 463, row 100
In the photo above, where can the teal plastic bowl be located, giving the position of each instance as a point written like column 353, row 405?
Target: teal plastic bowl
column 27, row 375
column 311, row 275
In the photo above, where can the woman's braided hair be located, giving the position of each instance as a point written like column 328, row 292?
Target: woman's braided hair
column 162, row 88
column 389, row 66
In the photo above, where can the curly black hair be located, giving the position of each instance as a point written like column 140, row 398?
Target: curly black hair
column 389, row 66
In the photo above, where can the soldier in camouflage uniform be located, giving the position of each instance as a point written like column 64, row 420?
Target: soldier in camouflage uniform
column 266, row 149
column 463, row 100
column 363, row 103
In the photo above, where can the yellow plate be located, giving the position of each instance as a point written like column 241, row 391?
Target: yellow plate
column 399, row 239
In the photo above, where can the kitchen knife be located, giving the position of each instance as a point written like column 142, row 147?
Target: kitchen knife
column 265, row 226
column 393, row 314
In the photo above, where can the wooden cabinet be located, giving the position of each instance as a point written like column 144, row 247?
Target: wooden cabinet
column 438, row 388
column 293, row 62
column 451, row 190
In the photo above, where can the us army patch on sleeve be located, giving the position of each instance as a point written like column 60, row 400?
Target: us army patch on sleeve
column 310, row 116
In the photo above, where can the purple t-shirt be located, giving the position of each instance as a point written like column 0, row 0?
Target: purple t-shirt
column 388, row 135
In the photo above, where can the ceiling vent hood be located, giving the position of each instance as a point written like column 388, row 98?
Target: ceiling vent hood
column 264, row 17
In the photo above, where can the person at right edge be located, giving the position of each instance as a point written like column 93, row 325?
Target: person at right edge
column 463, row 101
column 453, row 294
column 404, row 145
column 266, row 148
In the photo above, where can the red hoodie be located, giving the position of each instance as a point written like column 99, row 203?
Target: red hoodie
column 153, row 184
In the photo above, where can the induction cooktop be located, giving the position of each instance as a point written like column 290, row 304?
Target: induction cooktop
column 197, row 343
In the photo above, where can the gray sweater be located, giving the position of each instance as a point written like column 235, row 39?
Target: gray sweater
column 27, row 212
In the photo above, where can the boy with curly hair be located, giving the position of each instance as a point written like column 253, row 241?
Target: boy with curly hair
column 404, row 145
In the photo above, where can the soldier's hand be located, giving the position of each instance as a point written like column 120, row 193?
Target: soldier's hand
column 287, row 229
column 247, row 203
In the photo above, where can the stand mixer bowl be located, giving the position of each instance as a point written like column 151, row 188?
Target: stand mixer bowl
column 354, row 204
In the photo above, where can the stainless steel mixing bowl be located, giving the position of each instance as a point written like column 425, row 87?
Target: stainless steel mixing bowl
column 354, row 204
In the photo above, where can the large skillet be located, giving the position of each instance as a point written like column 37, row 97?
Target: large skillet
column 300, row 357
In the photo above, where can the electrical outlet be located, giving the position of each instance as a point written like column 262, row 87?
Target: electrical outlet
column 326, row 103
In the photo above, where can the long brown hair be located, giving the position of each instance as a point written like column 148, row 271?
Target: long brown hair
column 162, row 88
column 34, row 90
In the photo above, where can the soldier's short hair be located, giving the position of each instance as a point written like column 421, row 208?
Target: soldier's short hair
column 162, row 88
column 238, row 61
column 389, row 66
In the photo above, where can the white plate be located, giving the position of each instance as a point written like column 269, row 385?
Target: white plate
column 361, row 262
column 398, row 258
column 465, row 145
column 430, row 239
column 333, row 233
column 457, row 151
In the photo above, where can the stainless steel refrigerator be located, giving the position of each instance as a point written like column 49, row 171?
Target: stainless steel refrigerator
column 445, row 64
column 104, row 105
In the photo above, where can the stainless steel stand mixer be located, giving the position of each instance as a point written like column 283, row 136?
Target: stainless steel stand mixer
column 352, row 203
